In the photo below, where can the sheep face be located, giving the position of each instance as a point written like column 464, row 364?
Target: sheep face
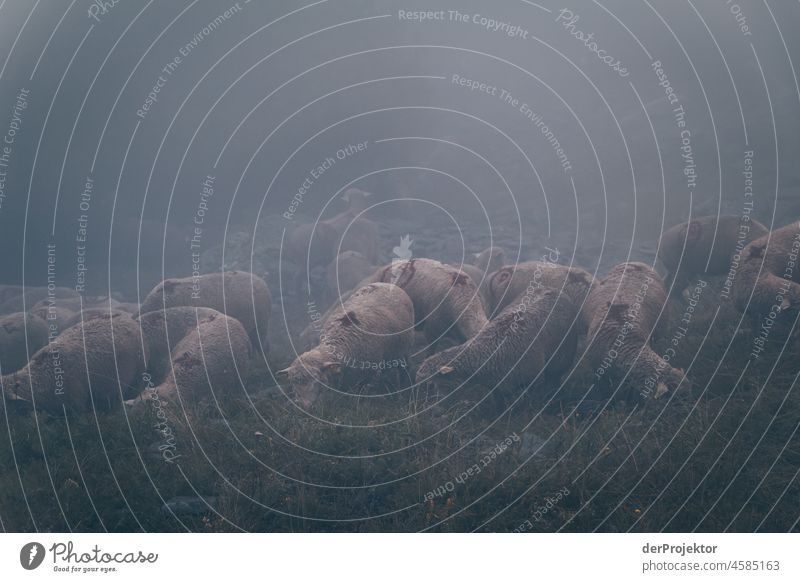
column 308, row 375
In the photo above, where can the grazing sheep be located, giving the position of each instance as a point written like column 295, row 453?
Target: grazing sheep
column 316, row 244
column 536, row 337
column 623, row 314
column 64, row 309
column 446, row 301
column 90, row 314
column 32, row 295
column 20, row 334
column 163, row 330
column 704, row 245
column 509, row 283
column 372, row 331
column 768, row 279
column 239, row 294
column 345, row 273
column 94, row 365
column 207, row 362
column 54, row 314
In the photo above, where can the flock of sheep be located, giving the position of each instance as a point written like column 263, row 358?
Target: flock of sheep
column 495, row 325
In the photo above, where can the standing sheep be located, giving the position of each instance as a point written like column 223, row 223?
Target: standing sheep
column 533, row 338
column 373, row 330
column 704, row 245
column 769, row 274
column 316, row 244
column 623, row 313
column 239, row 294
column 89, row 366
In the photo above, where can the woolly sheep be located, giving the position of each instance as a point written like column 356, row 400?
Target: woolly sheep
column 624, row 315
column 93, row 365
column 238, row 294
column 372, row 330
column 704, row 245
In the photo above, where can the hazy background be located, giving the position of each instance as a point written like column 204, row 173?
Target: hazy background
column 236, row 97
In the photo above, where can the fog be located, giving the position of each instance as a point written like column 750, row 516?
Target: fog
column 267, row 94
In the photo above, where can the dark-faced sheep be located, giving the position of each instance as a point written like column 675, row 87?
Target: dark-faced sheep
column 705, row 245
column 768, row 279
column 91, row 366
column 21, row 334
column 533, row 339
column 509, row 283
column 239, row 294
column 372, row 331
column 624, row 314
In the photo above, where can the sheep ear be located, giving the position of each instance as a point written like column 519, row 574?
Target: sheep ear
column 282, row 374
column 334, row 367
column 444, row 370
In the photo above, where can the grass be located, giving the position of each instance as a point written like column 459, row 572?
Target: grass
column 723, row 456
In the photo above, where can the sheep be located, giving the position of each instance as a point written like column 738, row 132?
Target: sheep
column 704, row 245
column 207, row 362
column 373, row 330
column 238, row 294
column 312, row 245
column 511, row 282
column 20, row 334
column 90, row 314
column 162, row 330
column 534, row 338
column 32, row 295
column 89, row 366
column 623, row 316
column 446, row 301
column 768, row 279
column 54, row 314
column 66, row 309
column 316, row 244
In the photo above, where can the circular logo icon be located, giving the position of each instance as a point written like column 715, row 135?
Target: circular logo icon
column 31, row 555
